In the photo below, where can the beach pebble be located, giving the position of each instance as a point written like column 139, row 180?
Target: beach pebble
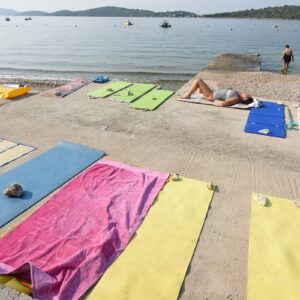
column 13, row 191
column 210, row 186
column 297, row 202
column 175, row 177
column 261, row 200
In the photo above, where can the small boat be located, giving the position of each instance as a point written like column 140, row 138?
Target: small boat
column 127, row 23
column 7, row 19
column 165, row 24
column 28, row 19
column 275, row 26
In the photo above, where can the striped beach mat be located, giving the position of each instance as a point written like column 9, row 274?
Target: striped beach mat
column 273, row 255
column 66, row 89
column 133, row 92
column 109, row 89
column 42, row 175
column 152, row 100
column 14, row 153
column 5, row 145
column 154, row 264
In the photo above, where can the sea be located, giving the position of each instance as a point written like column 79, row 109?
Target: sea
column 64, row 48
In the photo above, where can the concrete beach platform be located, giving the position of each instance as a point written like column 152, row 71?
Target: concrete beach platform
column 197, row 141
column 234, row 62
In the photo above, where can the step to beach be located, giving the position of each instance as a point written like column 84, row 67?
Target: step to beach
column 235, row 62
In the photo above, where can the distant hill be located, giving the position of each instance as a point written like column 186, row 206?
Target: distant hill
column 32, row 13
column 7, row 12
column 278, row 12
column 111, row 11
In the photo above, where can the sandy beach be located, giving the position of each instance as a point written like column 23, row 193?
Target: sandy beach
column 197, row 141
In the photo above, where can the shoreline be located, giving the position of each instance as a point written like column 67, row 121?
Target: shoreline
column 42, row 85
column 261, row 84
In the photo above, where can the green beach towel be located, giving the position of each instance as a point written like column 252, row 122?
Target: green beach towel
column 152, row 100
column 109, row 89
column 133, row 92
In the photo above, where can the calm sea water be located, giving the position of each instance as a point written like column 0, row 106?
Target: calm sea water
column 69, row 47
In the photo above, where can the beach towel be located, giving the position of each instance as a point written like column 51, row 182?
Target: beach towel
column 109, row 89
column 14, row 153
column 66, row 89
column 154, row 264
column 133, row 92
column 67, row 244
column 274, row 256
column 42, row 175
column 152, row 100
column 267, row 120
column 14, row 283
column 199, row 99
column 101, row 79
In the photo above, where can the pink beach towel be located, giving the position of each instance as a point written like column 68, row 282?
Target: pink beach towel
column 66, row 245
column 66, row 89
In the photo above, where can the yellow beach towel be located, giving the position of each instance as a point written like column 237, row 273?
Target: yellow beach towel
column 154, row 264
column 10, row 93
column 13, row 283
column 274, row 251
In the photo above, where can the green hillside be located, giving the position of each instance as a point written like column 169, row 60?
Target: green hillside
column 278, row 12
column 111, row 11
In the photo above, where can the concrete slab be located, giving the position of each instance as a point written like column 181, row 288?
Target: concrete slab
column 235, row 62
column 197, row 141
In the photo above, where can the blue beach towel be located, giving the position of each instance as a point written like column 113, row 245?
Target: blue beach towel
column 101, row 79
column 270, row 116
column 42, row 175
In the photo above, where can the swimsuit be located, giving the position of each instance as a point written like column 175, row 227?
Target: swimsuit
column 287, row 58
column 223, row 94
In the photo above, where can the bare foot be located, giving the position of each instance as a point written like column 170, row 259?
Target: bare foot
column 185, row 96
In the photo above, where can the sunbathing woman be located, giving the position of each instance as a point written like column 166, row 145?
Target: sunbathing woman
column 221, row 97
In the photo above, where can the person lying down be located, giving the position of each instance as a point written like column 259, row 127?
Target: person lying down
column 220, row 97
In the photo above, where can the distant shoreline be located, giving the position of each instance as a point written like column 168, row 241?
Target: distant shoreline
column 286, row 12
column 155, row 17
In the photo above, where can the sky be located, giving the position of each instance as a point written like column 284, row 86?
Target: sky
column 197, row 6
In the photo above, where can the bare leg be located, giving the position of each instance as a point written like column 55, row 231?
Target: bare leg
column 203, row 88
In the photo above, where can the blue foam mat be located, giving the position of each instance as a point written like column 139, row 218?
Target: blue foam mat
column 259, row 119
column 42, row 175
column 269, row 116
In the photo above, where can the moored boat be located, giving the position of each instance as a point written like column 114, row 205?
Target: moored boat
column 165, row 24
column 127, row 23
